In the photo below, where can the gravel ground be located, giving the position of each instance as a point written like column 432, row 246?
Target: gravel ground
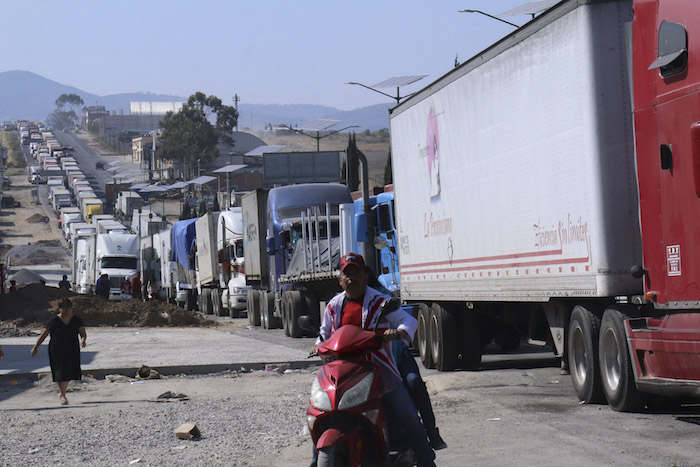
column 244, row 419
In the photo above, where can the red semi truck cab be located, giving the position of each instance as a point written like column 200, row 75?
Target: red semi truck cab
column 665, row 352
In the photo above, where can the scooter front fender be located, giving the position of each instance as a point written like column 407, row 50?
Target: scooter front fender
column 354, row 440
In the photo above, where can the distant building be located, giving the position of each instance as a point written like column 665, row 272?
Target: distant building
column 137, row 147
column 154, row 108
column 143, row 118
column 93, row 113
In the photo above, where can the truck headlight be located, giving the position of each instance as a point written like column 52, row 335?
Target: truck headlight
column 319, row 397
column 357, row 394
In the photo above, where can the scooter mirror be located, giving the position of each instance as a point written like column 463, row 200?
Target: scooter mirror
column 387, row 306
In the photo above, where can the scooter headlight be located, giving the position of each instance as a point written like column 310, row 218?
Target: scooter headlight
column 319, row 397
column 357, row 394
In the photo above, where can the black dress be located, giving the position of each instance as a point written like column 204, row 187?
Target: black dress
column 64, row 348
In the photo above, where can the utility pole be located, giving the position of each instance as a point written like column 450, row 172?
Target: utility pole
column 236, row 99
column 153, row 153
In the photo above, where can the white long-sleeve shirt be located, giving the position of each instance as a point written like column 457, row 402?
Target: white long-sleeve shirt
column 370, row 313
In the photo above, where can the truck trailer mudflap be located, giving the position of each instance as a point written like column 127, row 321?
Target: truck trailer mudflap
column 665, row 353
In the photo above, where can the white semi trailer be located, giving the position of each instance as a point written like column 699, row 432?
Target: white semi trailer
column 519, row 199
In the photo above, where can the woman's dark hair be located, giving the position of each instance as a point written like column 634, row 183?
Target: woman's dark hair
column 65, row 303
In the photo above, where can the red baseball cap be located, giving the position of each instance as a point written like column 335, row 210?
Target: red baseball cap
column 352, row 258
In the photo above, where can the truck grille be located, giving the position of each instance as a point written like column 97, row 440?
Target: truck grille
column 115, row 282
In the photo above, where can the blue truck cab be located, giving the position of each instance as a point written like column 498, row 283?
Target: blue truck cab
column 387, row 262
column 285, row 205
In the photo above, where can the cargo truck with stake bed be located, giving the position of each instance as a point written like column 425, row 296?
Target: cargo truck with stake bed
column 273, row 226
column 549, row 188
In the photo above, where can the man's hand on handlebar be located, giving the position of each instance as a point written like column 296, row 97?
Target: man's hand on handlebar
column 314, row 351
column 395, row 334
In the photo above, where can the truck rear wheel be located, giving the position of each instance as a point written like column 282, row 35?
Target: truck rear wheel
column 443, row 345
column 312, row 309
column 253, row 310
column 582, row 347
column 267, row 309
column 616, row 365
column 422, row 336
column 216, row 303
column 296, row 309
column 264, row 305
column 285, row 312
column 205, row 304
column 190, row 300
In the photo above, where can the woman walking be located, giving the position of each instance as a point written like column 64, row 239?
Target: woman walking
column 64, row 352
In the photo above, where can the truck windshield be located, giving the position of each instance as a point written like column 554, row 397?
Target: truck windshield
column 295, row 212
column 296, row 231
column 118, row 262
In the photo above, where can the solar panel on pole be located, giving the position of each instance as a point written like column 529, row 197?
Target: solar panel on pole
column 260, row 150
column 399, row 81
column 531, row 8
column 319, row 124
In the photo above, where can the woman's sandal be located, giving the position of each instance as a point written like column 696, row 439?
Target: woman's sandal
column 63, row 400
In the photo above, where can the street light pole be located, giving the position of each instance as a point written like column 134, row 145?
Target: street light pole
column 318, row 136
column 490, row 16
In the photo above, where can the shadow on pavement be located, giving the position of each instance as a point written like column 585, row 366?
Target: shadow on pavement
column 19, row 367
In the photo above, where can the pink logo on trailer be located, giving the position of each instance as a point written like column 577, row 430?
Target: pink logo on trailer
column 433, row 154
column 673, row 260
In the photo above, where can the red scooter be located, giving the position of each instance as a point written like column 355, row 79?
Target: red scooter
column 345, row 414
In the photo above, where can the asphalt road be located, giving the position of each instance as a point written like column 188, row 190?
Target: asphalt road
column 516, row 410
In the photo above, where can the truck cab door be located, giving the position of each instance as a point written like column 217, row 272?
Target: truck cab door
column 676, row 113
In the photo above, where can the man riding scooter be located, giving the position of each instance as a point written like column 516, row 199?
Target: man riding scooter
column 359, row 305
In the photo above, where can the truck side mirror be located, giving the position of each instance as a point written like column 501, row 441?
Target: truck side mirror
column 383, row 218
column 270, row 246
column 361, row 227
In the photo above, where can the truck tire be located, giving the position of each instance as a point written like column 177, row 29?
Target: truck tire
column 285, row 313
column 190, row 300
column 471, row 347
column 216, row 303
column 312, row 309
column 616, row 365
column 275, row 321
column 443, row 345
column 264, row 316
column 423, row 336
column 267, row 310
column 296, row 309
column 205, row 306
column 582, row 349
column 253, row 307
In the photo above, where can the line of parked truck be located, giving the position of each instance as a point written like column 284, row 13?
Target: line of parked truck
column 134, row 240
column 545, row 190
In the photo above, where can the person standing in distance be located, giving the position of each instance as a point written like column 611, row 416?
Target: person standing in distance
column 102, row 286
column 64, row 284
column 64, row 352
column 359, row 305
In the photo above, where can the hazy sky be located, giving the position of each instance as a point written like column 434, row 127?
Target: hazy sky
column 266, row 51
